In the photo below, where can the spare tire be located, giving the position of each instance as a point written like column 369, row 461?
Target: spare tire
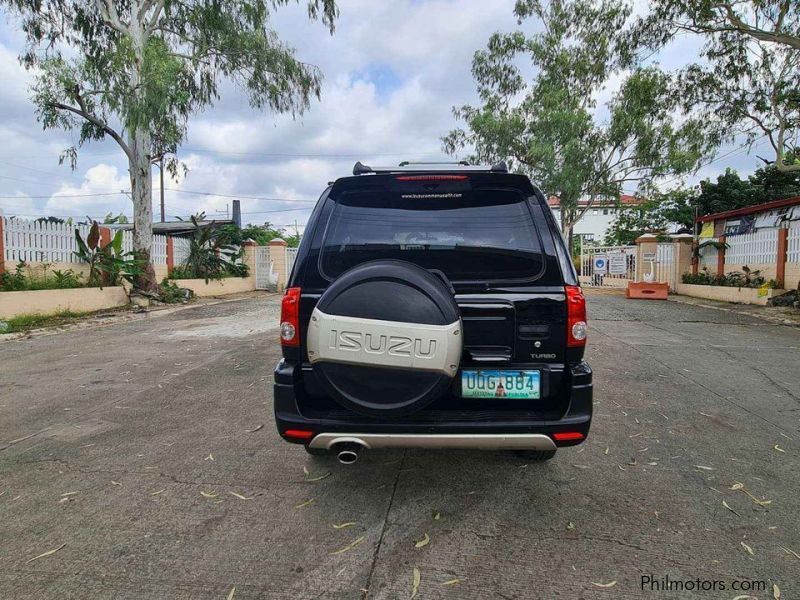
column 385, row 338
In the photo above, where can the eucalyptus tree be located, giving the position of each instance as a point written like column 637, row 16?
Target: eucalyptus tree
column 748, row 80
column 548, row 122
column 775, row 21
column 136, row 70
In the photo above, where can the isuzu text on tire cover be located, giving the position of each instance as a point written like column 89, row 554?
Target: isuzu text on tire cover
column 433, row 306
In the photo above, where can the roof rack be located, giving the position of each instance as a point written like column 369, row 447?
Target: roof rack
column 406, row 166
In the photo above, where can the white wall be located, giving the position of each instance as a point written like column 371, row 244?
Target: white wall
column 596, row 221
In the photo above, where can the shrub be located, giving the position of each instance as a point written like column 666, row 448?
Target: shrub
column 23, row 278
column 108, row 264
column 170, row 293
column 746, row 278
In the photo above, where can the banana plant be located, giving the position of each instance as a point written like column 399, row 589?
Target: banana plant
column 108, row 264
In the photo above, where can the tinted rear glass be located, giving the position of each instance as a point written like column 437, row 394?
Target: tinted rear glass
column 471, row 235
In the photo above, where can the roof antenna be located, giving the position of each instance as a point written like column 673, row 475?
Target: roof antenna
column 361, row 169
column 499, row 167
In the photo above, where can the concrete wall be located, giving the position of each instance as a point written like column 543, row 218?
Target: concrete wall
column 728, row 294
column 13, row 304
column 217, row 287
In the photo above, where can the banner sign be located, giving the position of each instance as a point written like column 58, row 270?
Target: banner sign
column 600, row 263
column 617, row 263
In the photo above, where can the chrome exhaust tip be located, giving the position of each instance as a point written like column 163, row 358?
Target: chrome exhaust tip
column 348, row 452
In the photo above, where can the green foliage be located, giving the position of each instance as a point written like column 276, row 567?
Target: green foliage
column 210, row 258
column 260, row 234
column 656, row 214
column 108, row 264
column 746, row 278
column 152, row 65
column 547, row 127
column 748, row 78
column 24, row 278
column 34, row 321
column 170, row 293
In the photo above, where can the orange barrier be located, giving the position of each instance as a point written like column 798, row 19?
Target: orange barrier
column 647, row 291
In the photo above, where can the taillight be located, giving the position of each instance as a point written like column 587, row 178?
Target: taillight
column 568, row 436
column 576, row 316
column 298, row 434
column 290, row 317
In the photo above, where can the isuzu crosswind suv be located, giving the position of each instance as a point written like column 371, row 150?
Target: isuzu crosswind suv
column 433, row 306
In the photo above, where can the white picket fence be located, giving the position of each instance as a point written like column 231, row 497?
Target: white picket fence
column 42, row 242
column 180, row 250
column 793, row 245
column 708, row 256
column 752, row 248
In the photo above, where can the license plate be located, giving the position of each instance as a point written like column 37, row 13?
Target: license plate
column 523, row 385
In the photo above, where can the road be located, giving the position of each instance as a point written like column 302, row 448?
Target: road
column 145, row 454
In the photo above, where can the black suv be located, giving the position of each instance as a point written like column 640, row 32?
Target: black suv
column 433, row 307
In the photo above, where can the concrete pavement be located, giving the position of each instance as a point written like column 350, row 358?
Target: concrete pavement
column 145, row 453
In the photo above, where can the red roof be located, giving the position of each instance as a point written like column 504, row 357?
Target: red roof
column 625, row 199
column 748, row 210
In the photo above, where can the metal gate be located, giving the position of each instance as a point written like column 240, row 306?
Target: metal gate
column 266, row 277
column 660, row 266
column 607, row 266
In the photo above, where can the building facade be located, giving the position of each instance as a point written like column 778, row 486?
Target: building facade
column 594, row 225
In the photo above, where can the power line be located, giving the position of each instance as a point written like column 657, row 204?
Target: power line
column 198, row 193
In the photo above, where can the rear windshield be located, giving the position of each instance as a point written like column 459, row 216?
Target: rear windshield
column 471, row 235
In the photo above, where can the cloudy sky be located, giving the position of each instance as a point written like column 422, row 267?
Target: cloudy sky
column 393, row 71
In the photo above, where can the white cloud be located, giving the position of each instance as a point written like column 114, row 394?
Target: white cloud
column 99, row 192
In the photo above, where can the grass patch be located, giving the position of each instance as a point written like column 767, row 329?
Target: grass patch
column 28, row 322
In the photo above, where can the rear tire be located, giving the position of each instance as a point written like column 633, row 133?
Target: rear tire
column 537, row 455
column 317, row 451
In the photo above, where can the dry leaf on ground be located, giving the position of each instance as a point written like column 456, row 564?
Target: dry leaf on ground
column 208, row 494
column 239, row 496
column 256, row 429
column 452, row 581
column 343, row 525
column 423, row 542
column 351, row 545
column 605, row 585
column 776, row 591
column 231, row 594
column 778, row 448
column 306, row 503
column 318, row 478
column 747, row 548
column 415, row 579
column 43, row 554
column 725, row 504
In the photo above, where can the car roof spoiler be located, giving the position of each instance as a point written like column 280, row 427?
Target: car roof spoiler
column 425, row 167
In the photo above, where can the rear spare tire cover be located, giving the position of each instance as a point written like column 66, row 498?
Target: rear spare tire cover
column 385, row 338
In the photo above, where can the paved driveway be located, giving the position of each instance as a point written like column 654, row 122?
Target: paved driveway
column 145, row 454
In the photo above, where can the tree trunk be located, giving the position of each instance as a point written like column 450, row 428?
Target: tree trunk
column 140, row 142
column 566, row 227
column 141, row 194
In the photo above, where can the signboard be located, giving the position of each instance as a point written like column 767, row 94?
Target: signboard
column 599, row 263
column 617, row 263
column 648, row 256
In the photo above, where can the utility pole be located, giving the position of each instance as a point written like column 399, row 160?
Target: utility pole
column 159, row 162
column 161, row 180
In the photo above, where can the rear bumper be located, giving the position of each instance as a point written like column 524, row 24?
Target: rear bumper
column 450, row 431
column 484, row 441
